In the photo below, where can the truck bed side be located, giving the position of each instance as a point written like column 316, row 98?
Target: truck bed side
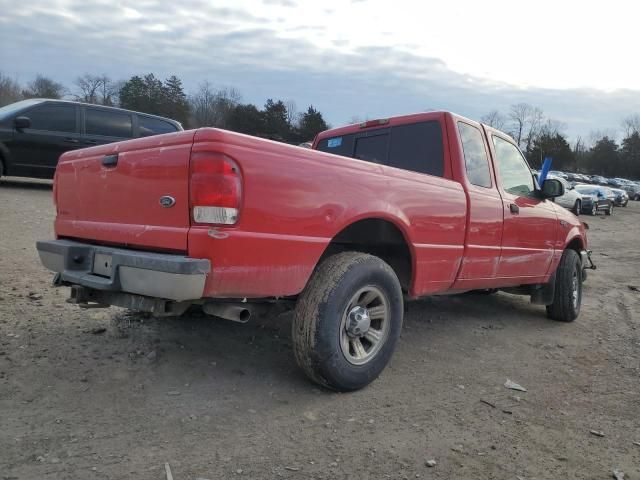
column 297, row 200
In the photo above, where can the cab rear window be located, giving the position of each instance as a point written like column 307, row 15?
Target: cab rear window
column 416, row 147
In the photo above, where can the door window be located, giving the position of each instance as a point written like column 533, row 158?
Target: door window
column 108, row 123
column 475, row 155
column 513, row 169
column 53, row 118
column 154, row 126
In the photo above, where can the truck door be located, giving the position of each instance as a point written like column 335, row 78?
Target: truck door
column 485, row 212
column 530, row 223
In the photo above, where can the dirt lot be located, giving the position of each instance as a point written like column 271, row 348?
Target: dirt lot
column 220, row 400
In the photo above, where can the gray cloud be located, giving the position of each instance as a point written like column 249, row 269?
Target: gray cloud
column 230, row 46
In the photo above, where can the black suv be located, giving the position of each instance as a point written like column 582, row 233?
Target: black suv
column 34, row 133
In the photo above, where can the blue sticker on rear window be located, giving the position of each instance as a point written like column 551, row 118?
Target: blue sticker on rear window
column 334, row 142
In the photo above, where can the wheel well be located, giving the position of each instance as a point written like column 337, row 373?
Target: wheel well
column 380, row 238
column 575, row 244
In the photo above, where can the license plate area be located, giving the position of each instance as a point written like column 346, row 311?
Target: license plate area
column 102, row 265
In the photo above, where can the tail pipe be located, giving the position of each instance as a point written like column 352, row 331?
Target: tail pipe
column 236, row 312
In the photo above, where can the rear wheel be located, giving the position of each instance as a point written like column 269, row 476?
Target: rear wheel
column 577, row 208
column 347, row 321
column 568, row 289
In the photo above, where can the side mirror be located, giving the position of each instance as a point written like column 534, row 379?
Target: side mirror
column 552, row 188
column 21, row 122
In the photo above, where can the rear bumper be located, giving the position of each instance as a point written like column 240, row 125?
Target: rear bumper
column 158, row 275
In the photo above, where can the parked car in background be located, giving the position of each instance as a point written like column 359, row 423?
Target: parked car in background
column 34, row 133
column 633, row 190
column 594, row 199
column 621, row 197
column 599, row 180
column 571, row 199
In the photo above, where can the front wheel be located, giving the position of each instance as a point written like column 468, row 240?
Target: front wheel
column 347, row 321
column 567, row 297
column 577, row 208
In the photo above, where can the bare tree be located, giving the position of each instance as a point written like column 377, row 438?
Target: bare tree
column 535, row 123
column 211, row 107
column 44, row 87
column 98, row 89
column 88, row 86
column 631, row 125
column 596, row 135
column 494, row 119
column 9, row 90
column 292, row 112
column 552, row 127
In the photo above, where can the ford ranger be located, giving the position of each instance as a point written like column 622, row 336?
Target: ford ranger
column 374, row 214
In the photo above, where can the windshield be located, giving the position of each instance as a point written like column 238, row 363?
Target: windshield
column 12, row 108
column 586, row 190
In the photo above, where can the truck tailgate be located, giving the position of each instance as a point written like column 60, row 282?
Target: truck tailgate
column 112, row 193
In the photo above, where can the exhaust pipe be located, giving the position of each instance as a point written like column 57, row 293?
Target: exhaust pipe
column 229, row 311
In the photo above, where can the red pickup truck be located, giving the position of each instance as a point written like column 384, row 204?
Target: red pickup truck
column 374, row 214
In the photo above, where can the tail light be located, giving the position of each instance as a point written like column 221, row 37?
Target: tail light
column 215, row 189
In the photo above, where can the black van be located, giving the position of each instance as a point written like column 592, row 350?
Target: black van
column 34, row 133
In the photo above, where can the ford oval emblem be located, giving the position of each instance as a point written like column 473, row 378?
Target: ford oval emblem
column 167, row 201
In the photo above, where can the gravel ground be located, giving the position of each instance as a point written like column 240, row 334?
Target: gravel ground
column 109, row 394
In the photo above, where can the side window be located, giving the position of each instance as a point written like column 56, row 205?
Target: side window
column 53, row 118
column 513, row 169
column 154, row 126
column 475, row 155
column 417, row 147
column 108, row 123
column 372, row 149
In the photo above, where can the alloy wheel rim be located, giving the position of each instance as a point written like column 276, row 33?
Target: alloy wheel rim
column 575, row 289
column 365, row 325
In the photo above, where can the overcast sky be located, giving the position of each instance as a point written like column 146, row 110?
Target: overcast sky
column 577, row 60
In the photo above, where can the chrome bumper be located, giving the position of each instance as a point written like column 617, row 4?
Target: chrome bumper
column 157, row 275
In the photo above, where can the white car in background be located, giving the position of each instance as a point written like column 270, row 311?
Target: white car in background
column 571, row 200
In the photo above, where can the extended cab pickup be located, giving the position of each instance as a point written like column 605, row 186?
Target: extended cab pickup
column 374, row 214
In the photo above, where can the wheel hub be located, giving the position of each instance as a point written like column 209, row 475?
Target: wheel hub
column 358, row 321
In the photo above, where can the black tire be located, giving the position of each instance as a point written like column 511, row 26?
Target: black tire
column 609, row 210
column 567, row 294
column 318, row 322
column 577, row 208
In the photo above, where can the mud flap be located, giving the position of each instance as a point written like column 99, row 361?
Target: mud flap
column 543, row 294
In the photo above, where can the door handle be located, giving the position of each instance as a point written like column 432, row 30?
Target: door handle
column 91, row 142
column 513, row 208
column 110, row 160
column 71, row 140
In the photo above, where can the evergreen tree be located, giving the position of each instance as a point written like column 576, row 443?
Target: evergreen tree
column 276, row 123
column 551, row 145
column 246, row 119
column 311, row 123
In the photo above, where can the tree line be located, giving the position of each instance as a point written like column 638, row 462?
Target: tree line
column 537, row 135
column 599, row 154
column 206, row 107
